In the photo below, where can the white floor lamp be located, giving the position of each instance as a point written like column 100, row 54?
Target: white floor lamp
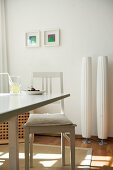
column 86, row 98
column 102, row 98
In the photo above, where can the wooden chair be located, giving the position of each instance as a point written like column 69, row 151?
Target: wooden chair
column 49, row 122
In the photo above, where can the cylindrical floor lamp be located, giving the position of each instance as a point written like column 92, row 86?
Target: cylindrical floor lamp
column 102, row 98
column 86, row 98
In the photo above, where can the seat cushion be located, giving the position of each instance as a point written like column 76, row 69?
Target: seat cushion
column 47, row 119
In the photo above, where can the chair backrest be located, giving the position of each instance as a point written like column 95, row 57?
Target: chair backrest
column 51, row 82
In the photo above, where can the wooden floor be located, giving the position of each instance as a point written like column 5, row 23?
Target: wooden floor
column 102, row 157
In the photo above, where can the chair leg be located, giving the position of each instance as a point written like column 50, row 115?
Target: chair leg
column 63, row 149
column 26, row 148
column 72, row 145
column 31, row 149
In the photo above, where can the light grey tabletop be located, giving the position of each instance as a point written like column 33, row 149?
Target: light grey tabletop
column 12, row 105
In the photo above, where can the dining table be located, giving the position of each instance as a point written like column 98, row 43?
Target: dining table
column 12, row 105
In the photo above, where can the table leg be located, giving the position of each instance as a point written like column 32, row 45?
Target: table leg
column 13, row 144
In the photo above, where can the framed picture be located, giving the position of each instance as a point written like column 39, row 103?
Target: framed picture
column 33, row 39
column 51, row 38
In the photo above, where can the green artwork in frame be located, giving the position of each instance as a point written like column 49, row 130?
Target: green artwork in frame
column 33, row 39
column 51, row 38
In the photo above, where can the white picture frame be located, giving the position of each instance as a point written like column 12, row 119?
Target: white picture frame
column 52, row 37
column 32, row 39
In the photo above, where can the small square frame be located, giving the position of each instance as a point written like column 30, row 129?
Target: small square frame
column 32, row 39
column 51, row 37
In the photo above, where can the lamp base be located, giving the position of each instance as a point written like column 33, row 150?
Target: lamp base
column 102, row 142
column 87, row 141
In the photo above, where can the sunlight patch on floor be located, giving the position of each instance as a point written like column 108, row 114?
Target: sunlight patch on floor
column 100, row 161
column 85, row 160
column 6, row 155
column 2, row 162
column 48, row 159
column 48, row 163
column 82, row 167
column 102, row 158
column 47, row 156
column 88, row 157
column 1, row 153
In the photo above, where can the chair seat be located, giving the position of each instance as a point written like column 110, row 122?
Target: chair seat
column 47, row 119
column 49, row 123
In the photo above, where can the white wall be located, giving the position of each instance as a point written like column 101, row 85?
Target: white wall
column 86, row 30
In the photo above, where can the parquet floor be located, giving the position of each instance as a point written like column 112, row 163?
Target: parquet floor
column 102, row 157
